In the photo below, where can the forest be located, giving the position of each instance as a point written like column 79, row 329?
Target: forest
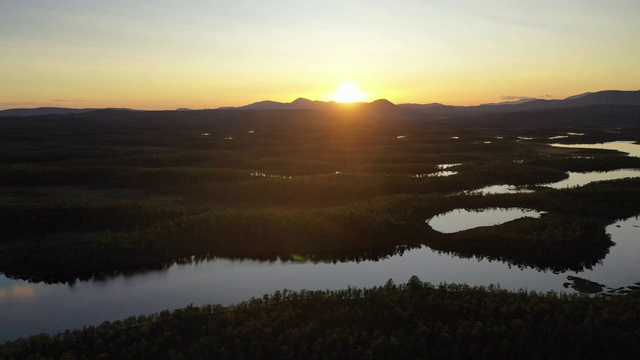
column 106, row 192
column 406, row 321
column 115, row 190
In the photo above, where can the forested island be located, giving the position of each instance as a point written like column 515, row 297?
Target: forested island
column 112, row 191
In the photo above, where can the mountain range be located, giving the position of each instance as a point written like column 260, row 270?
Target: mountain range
column 383, row 107
column 51, row 111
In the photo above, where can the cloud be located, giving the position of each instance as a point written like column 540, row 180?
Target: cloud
column 17, row 103
column 515, row 97
column 67, row 100
column 546, row 96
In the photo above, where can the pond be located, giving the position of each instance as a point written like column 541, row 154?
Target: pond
column 575, row 179
column 463, row 219
column 500, row 189
column 436, row 174
column 446, row 166
column 629, row 147
column 580, row 179
column 28, row 308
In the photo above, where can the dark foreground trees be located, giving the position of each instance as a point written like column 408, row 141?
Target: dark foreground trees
column 413, row 320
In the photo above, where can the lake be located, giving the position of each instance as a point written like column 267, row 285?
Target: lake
column 28, row 308
column 462, row 219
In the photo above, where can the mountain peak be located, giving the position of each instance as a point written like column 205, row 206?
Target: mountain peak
column 579, row 96
column 301, row 100
column 382, row 102
column 609, row 97
column 511, row 102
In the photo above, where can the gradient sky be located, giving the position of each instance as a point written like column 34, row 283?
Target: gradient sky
column 204, row 54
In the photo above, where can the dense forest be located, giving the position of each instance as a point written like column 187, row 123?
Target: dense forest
column 102, row 193
column 117, row 190
column 412, row 320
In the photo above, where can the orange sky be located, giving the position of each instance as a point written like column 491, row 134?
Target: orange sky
column 205, row 54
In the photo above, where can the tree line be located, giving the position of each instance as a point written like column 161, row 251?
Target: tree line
column 411, row 320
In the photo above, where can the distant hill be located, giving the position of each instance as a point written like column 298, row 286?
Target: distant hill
column 383, row 107
column 608, row 97
column 42, row 111
column 297, row 104
column 579, row 96
column 512, row 102
column 380, row 107
column 52, row 111
column 419, row 106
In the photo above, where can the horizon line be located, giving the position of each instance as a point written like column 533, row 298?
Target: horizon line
column 230, row 107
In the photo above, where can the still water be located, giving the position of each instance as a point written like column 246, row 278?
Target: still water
column 27, row 309
column 575, row 179
column 462, row 219
column 30, row 308
column 628, row 147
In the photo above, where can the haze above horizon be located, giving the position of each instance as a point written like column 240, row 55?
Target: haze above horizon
column 202, row 54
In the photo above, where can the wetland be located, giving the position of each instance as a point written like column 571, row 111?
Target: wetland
column 113, row 213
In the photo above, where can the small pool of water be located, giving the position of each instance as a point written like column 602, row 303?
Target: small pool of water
column 435, row 174
column 262, row 174
column 628, row 147
column 446, row 166
column 500, row 189
column 576, row 179
column 462, row 219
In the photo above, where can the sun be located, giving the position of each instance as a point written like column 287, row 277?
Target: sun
column 348, row 92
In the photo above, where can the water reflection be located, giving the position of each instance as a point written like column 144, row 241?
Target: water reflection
column 574, row 179
column 212, row 279
column 19, row 292
column 629, row 147
column 500, row 189
column 583, row 285
column 325, row 257
column 623, row 290
column 357, row 256
column 436, row 174
column 446, row 166
column 580, row 179
column 463, row 219
column 262, row 174
column 578, row 266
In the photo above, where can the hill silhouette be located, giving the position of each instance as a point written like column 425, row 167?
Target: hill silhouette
column 43, row 111
column 53, row 111
column 384, row 107
column 607, row 97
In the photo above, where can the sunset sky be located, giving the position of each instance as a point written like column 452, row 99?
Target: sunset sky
column 204, row 54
